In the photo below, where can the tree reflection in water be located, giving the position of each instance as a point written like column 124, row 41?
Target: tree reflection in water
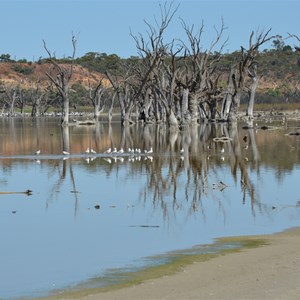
column 171, row 170
column 185, row 165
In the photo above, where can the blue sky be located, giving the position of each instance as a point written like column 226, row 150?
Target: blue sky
column 104, row 26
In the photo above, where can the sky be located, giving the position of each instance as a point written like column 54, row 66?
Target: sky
column 105, row 26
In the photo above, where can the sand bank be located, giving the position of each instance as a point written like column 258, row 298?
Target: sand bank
column 271, row 271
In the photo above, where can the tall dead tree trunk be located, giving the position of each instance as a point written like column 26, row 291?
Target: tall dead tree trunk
column 247, row 64
column 152, row 53
column 61, row 79
column 252, row 91
column 126, row 103
column 11, row 97
column 184, row 103
column 36, row 96
column 200, row 77
column 95, row 96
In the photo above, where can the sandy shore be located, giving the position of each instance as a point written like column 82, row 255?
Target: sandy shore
column 268, row 272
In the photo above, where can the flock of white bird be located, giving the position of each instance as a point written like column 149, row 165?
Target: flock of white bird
column 133, row 154
column 111, row 151
column 130, row 151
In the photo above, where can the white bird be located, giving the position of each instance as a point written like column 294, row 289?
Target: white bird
column 108, row 151
column 65, row 153
column 121, row 151
column 181, row 150
column 222, row 150
column 149, row 151
column 38, row 152
column 137, row 150
column 115, row 150
column 87, row 150
column 129, row 150
column 92, row 151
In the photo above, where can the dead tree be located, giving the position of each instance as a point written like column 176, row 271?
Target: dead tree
column 11, row 95
column 252, row 74
column 36, row 95
column 199, row 82
column 152, row 51
column 122, row 90
column 96, row 98
column 246, row 67
column 61, row 77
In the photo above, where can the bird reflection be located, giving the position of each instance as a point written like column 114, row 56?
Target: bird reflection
column 107, row 160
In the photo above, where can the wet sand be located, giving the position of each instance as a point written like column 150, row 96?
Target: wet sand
column 267, row 272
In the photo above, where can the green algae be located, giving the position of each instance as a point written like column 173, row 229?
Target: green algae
column 176, row 262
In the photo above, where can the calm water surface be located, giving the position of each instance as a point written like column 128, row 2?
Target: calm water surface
column 92, row 215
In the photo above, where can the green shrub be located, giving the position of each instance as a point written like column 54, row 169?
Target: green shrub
column 23, row 69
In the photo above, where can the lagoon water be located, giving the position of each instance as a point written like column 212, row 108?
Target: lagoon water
column 91, row 216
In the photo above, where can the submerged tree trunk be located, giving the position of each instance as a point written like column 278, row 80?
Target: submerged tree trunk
column 66, row 138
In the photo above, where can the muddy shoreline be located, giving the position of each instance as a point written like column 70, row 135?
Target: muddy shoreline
column 267, row 269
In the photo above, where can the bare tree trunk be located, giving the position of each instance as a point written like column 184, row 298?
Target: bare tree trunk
column 227, row 99
column 172, row 119
column 21, row 100
column 61, row 80
column 66, row 106
column 236, row 100
column 66, row 138
column 110, row 112
column 253, row 86
column 252, row 97
column 12, row 103
column 146, row 106
column 95, row 96
column 184, row 102
column 194, row 109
